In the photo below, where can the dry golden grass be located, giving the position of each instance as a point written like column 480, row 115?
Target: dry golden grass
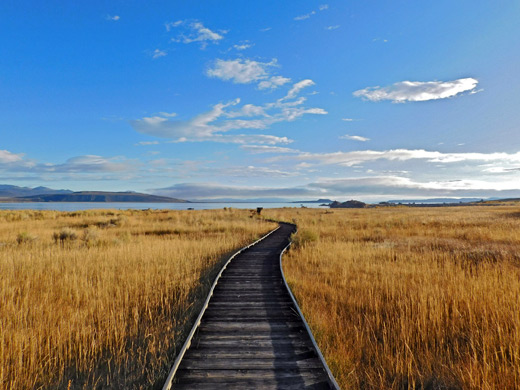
column 101, row 299
column 411, row 298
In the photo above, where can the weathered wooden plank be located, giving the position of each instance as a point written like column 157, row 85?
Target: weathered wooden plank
column 251, row 364
column 210, row 354
column 253, row 327
column 284, row 335
column 242, row 343
column 239, row 304
column 217, row 375
column 258, row 384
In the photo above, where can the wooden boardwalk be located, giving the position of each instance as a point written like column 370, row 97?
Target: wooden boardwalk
column 251, row 335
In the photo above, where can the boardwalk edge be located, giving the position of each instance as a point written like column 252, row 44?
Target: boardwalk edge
column 332, row 380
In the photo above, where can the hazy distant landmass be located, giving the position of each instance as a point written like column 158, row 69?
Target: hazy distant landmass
column 313, row 201
column 101, row 196
column 9, row 193
column 441, row 200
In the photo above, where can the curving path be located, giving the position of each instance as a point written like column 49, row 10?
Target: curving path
column 251, row 335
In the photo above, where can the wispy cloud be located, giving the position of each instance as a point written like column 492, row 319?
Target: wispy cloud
column 158, row 53
column 146, row 143
column 334, row 27
column 246, row 71
column 243, row 45
column 225, row 117
column 355, row 138
column 260, row 149
column 415, row 91
column 194, row 31
column 255, row 171
column 305, row 16
column 322, row 7
column 350, row 159
column 16, row 166
column 213, row 190
column 296, row 88
column 8, row 157
column 113, row 18
column 240, row 71
column 273, row 82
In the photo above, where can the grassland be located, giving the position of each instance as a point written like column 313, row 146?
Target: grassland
column 404, row 298
column 103, row 299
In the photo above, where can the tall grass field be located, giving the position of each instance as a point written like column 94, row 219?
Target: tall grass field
column 411, row 298
column 104, row 299
column 397, row 298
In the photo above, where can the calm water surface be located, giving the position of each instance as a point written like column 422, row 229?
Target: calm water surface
column 75, row 206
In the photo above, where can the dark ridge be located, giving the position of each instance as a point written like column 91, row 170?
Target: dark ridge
column 100, row 196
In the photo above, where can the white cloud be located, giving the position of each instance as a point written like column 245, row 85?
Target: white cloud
column 171, row 25
column 16, row 166
column 158, row 53
column 322, row 7
column 266, row 29
column 273, row 82
column 240, row 71
column 415, row 91
column 259, row 149
column 245, row 71
column 7, row 157
column 212, row 191
column 91, row 163
column 254, row 171
column 145, row 143
column 194, row 31
column 334, row 27
column 243, row 45
column 296, row 88
column 211, row 125
column 350, row 159
column 168, row 114
column 114, row 18
column 306, row 16
column 355, row 138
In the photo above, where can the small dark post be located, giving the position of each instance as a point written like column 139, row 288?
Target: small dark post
column 259, row 210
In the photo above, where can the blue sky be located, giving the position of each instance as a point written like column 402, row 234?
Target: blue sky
column 370, row 100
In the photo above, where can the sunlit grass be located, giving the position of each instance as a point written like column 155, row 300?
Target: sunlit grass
column 99, row 299
column 408, row 298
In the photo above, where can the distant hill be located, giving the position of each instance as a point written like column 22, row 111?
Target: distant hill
column 100, row 196
column 10, row 191
column 350, row 204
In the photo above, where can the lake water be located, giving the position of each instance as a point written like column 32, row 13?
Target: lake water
column 75, row 206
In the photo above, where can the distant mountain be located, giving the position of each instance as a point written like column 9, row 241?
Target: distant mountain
column 100, row 196
column 9, row 191
column 314, row 201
